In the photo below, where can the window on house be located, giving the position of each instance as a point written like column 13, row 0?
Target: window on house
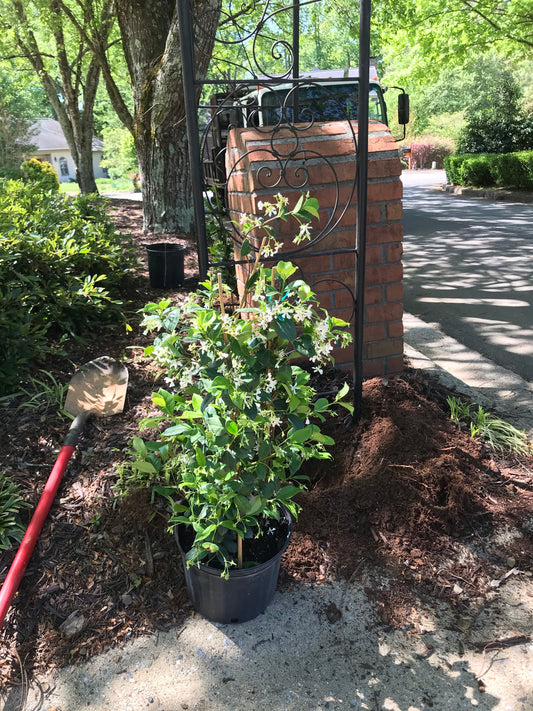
column 63, row 166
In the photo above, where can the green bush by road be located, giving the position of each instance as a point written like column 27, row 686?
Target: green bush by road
column 513, row 170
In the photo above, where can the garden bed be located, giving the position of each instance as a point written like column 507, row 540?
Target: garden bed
column 406, row 494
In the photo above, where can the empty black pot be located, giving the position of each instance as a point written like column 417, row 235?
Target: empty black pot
column 165, row 264
column 247, row 592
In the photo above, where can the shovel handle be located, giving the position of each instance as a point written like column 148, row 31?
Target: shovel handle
column 18, row 566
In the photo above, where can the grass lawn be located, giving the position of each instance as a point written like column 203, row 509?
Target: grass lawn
column 105, row 185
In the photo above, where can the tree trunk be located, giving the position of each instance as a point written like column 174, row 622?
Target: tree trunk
column 150, row 37
column 77, row 123
column 165, row 179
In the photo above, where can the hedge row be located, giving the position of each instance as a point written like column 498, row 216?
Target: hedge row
column 512, row 170
column 61, row 267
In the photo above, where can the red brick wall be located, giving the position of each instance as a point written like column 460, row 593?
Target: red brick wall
column 328, row 151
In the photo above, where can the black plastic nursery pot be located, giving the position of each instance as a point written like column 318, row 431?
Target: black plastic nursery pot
column 248, row 591
column 165, row 264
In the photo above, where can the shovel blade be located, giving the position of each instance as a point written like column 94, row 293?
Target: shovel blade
column 99, row 387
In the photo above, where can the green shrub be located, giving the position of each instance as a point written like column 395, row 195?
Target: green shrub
column 513, row 170
column 9, row 171
column 41, row 173
column 11, row 505
column 61, row 265
column 503, row 170
column 485, row 133
column 476, row 171
column 452, row 165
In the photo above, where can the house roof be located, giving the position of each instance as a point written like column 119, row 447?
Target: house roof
column 48, row 136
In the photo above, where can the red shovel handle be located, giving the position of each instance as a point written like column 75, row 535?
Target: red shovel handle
column 18, row 566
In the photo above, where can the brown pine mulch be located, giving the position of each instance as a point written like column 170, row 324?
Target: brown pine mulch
column 406, row 494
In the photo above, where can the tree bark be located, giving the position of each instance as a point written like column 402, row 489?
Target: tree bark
column 150, row 38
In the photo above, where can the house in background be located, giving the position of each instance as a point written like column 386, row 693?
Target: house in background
column 52, row 147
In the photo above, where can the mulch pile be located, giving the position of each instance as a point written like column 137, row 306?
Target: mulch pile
column 406, row 493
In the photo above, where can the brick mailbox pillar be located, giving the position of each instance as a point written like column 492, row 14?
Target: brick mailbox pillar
column 320, row 158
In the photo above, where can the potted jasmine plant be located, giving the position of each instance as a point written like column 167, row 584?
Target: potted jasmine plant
column 237, row 419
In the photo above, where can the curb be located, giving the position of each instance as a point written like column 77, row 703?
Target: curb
column 498, row 194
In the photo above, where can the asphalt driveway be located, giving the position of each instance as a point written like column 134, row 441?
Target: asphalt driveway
column 468, row 267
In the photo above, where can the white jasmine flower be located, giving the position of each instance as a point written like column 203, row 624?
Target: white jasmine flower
column 270, row 384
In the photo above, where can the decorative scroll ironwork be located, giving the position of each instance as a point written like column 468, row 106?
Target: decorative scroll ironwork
column 258, row 84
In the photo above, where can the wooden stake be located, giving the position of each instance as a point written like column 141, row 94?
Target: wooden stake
column 239, row 551
column 221, row 299
column 254, row 269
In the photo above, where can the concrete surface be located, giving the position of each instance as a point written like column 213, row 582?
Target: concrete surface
column 305, row 654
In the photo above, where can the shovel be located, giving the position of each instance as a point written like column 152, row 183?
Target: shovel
column 99, row 388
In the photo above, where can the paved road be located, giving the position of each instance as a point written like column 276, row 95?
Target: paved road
column 469, row 268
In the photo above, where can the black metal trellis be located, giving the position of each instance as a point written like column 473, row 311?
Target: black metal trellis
column 229, row 106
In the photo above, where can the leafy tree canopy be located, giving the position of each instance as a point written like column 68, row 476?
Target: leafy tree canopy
column 433, row 33
column 21, row 92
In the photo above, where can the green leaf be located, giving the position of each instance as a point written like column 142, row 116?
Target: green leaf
column 304, row 345
column 321, row 405
column 139, row 446
column 197, row 401
column 303, row 435
column 296, row 422
column 229, row 460
column 256, row 505
column 311, row 206
column 146, row 467
column 246, row 247
column 251, row 281
column 264, row 450
column 284, row 374
column 200, row 458
column 299, row 204
column 338, row 322
column 285, row 328
column 287, row 492
column 201, row 535
column 323, row 439
column 215, row 425
column 164, row 401
column 175, row 430
column 232, row 427
column 285, row 270
column 229, row 524
column 208, row 399
column 342, row 392
column 251, row 411
column 242, row 504
column 221, row 383
column 249, row 507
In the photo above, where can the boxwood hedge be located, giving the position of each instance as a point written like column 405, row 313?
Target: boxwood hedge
column 513, row 170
